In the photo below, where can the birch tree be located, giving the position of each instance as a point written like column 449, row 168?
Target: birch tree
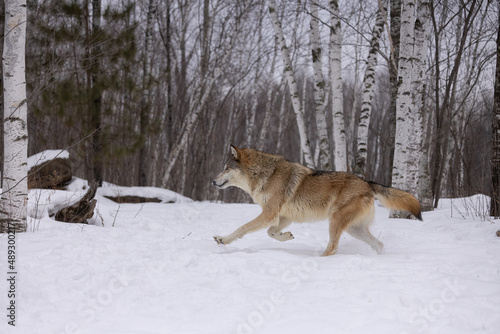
column 412, row 66
column 335, row 57
column 320, row 96
column 14, row 196
column 419, row 175
column 414, row 166
column 292, row 85
column 283, row 117
column 369, row 90
column 404, row 97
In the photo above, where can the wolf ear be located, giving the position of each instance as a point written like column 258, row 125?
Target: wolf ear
column 235, row 152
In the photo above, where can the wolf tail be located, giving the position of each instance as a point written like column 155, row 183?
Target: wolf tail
column 396, row 199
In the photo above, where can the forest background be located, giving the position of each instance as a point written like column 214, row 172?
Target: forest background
column 153, row 92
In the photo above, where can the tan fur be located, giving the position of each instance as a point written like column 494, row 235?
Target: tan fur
column 289, row 192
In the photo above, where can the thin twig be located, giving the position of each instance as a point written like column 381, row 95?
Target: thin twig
column 116, row 215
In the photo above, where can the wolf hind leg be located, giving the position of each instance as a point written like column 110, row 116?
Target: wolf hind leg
column 360, row 230
column 363, row 233
column 344, row 216
column 275, row 230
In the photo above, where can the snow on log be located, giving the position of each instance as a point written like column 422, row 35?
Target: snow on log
column 141, row 194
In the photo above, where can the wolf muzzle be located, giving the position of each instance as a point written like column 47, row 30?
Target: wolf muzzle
column 219, row 185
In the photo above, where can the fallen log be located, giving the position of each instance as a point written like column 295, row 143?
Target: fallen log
column 79, row 212
column 133, row 199
column 53, row 174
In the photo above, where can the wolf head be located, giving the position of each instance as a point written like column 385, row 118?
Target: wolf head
column 233, row 174
column 246, row 169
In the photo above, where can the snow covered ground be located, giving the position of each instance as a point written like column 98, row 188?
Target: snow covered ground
column 154, row 268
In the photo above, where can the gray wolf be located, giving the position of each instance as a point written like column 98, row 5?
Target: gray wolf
column 290, row 192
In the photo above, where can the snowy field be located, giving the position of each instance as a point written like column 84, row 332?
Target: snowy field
column 154, row 268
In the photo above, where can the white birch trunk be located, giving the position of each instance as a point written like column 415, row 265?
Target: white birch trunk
column 14, row 197
column 292, row 85
column 335, row 55
column 283, row 120
column 323, row 160
column 404, row 101
column 368, row 92
column 418, row 86
column 404, row 97
column 304, row 93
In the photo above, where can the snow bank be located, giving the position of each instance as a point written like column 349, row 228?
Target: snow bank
column 47, row 202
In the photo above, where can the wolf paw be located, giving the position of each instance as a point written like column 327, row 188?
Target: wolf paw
column 378, row 247
column 219, row 240
column 285, row 236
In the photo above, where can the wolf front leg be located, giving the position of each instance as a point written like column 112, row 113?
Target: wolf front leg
column 261, row 221
column 275, row 230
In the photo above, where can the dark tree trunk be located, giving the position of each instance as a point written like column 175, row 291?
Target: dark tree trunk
column 495, row 152
column 96, row 103
column 2, row 23
column 146, row 97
